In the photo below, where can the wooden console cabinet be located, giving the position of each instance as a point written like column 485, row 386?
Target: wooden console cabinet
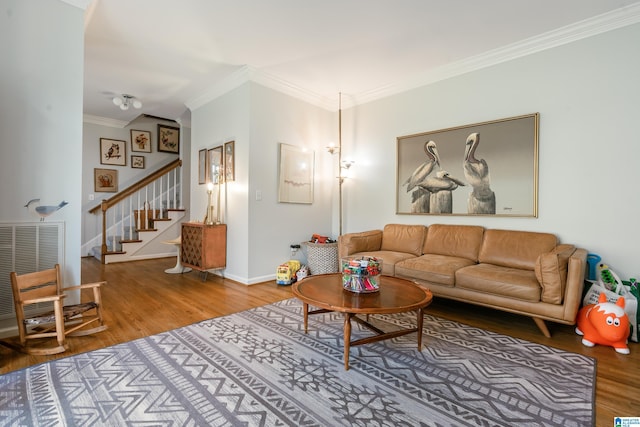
column 203, row 247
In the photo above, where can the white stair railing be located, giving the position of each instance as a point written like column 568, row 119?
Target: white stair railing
column 129, row 211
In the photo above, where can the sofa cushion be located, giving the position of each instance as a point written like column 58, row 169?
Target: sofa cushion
column 454, row 240
column 403, row 238
column 515, row 249
column 389, row 259
column 499, row 280
column 433, row 268
column 551, row 272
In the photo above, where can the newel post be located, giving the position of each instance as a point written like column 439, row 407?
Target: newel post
column 103, row 250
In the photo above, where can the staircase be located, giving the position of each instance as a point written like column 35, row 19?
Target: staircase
column 138, row 221
column 137, row 248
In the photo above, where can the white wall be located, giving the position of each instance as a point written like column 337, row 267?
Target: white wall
column 258, row 119
column 222, row 120
column 41, row 83
column 277, row 118
column 587, row 95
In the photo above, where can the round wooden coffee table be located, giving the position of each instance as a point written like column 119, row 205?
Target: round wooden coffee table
column 325, row 291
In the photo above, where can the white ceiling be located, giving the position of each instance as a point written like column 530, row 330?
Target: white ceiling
column 172, row 54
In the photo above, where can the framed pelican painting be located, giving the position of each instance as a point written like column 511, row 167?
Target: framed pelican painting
column 488, row 168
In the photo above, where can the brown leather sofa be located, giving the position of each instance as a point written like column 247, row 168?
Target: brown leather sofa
column 521, row 272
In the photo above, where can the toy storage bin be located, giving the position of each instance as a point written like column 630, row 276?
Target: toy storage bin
column 322, row 258
column 361, row 274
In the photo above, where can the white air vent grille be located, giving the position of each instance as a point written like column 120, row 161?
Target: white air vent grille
column 24, row 248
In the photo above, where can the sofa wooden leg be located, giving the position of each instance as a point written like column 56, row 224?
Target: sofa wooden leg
column 542, row 326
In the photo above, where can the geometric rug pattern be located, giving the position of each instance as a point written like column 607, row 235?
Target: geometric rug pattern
column 259, row 368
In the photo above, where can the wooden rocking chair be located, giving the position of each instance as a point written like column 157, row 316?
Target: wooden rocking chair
column 45, row 286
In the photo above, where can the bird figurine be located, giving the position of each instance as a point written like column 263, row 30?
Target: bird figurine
column 34, row 207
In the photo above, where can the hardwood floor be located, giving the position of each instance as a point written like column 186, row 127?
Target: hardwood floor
column 141, row 300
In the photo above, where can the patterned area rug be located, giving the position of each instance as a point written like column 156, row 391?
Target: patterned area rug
column 259, row 368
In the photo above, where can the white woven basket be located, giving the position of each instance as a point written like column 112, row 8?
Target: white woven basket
column 322, row 258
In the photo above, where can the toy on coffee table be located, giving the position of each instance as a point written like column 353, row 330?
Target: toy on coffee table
column 604, row 323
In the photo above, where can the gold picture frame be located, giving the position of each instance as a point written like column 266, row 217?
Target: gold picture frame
column 488, row 168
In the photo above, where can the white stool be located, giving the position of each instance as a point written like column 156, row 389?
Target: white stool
column 179, row 268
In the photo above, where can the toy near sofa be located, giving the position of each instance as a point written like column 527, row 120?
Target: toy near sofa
column 604, row 323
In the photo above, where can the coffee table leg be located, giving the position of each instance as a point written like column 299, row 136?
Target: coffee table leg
column 347, row 339
column 305, row 310
column 420, row 322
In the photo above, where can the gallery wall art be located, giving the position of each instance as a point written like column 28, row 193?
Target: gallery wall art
column 488, row 168
column 295, row 178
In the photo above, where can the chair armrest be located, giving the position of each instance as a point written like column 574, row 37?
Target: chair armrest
column 44, row 299
column 575, row 283
column 85, row 286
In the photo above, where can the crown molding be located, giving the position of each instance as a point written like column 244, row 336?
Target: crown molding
column 613, row 20
column 232, row 81
column 292, row 90
column 246, row 74
column 104, row 121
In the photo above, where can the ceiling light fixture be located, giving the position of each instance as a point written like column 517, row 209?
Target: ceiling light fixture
column 125, row 101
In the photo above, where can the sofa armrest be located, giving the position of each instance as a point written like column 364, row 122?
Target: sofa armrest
column 365, row 241
column 575, row 284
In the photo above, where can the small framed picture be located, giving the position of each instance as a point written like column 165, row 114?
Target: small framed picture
column 137, row 162
column 168, row 139
column 202, row 166
column 229, row 161
column 105, row 180
column 215, row 165
column 140, row 141
column 113, row 152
